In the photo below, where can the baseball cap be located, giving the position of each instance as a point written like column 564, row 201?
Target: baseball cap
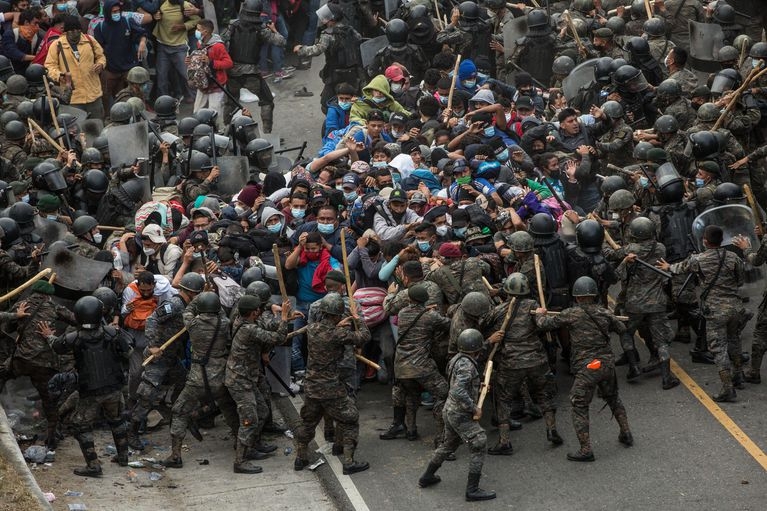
column 524, row 103
column 398, row 195
column 350, row 181
column 418, row 198
column 360, row 167
column 198, row 237
column 319, row 195
column 397, row 118
column 376, row 115
column 154, row 233
column 394, row 73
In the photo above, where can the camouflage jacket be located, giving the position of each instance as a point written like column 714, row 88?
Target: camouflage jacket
column 722, row 283
column 326, row 344
column 460, row 322
column 314, row 316
column 683, row 111
column 419, row 326
column 644, row 288
column 10, row 272
column 395, row 302
column 521, row 346
column 589, row 325
column 249, row 341
column 31, row 345
column 687, row 79
column 460, row 277
column 464, row 379
column 166, row 320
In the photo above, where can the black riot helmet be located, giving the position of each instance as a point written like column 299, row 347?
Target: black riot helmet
column 165, row 107
column 542, row 225
column 396, row 32
column 469, row 10
column 133, row 189
column 669, row 88
column 260, row 153
column 629, row 79
column 603, row 68
column 669, row 184
column 107, row 297
column 41, row 110
column 121, row 112
column 562, row 65
column 199, row 161
column 470, row 340
column 245, row 129
column 91, row 155
column 102, row 144
column 537, row 20
column 729, row 193
column 726, row 80
column 666, row 125
column 6, row 69
column 585, row 286
column 654, row 27
column 206, row 116
column 34, row 75
column 11, row 232
column 260, row 289
column 638, row 46
column 590, row 235
column 46, row 176
column 252, row 274
column 724, row 14
column 617, row 25
column 758, row 51
column 24, row 215
column 7, row 197
column 89, row 312
column 705, row 145
column 186, row 126
column 96, row 181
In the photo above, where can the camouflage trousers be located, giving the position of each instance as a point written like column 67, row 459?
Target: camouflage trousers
column 658, row 326
column 582, row 393
column 433, row 383
column 509, row 383
column 759, row 342
column 461, row 428
column 91, row 408
column 40, row 377
column 165, row 371
column 252, row 409
column 349, row 377
column 723, row 335
column 343, row 410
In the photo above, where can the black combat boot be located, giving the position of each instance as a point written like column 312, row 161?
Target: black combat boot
column 174, row 460
column 302, row 459
column 669, row 381
column 584, row 453
column 430, row 477
column 503, row 447
column 134, row 439
column 633, row 357
column 93, row 466
column 551, row 429
column 727, row 394
column 753, row 375
column 120, row 436
column 329, row 431
column 700, row 353
column 474, row 492
column 412, row 434
column 350, row 466
column 241, row 466
column 397, row 428
column 51, row 442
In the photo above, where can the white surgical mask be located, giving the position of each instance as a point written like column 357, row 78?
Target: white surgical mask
column 149, row 251
column 396, row 88
column 441, row 230
column 52, row 218
column 97, row 238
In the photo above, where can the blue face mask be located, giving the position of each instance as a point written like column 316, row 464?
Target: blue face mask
column 379, row 100
column 503, row 156
column 350, row 196
column 52, row 218
column 274, row 228
column 345, row 105
column 297, row 213
column 699, row 182
column 490, row 131
column 61, row 7
column 644, row 182
column 25, row 199
column 116, row 16
column 198, row 35
column 459, row 231
column 380, row 164
column 326, row 228
column 469, row 84
column 443, row 100
column 424, row 246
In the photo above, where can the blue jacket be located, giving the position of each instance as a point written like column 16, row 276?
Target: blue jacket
column 336, row 118
column 16, row 49
column 119, row 39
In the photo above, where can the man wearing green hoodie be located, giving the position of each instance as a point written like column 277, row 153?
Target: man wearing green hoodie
column 376, row 95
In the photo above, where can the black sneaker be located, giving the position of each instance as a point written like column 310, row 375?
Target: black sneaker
column 355, row 466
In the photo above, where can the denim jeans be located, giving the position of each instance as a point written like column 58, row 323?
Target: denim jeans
column 276, row 53
column 171, row 59
column 311, row 31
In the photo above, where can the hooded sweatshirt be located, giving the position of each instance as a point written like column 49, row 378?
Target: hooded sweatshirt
column 119, row 39
column 269, row 212
column 362, row 107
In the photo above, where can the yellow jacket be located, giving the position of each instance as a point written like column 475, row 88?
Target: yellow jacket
column 87, row 84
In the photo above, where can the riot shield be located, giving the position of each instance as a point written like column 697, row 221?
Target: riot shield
column 75, row 272
column 706, row 39
column 734, row 219
column 369, row 48
column 512, row 31
column 581, row 76
column 390, row 7
column 127, row 143
column 49, row 231
column 284, row 164
column 234, row 175
column 92, row 129
column 81, row 115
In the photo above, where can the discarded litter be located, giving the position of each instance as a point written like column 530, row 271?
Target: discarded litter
column 35, row 453
column 77, row 507
column 316, row 464
column 71, row 493
column 136, row 464
column 204, row 461
column 110, row 450
column 150, row 460
column 49, row 496
column 154, row 476
column 130, row 475
column 288, row 433
column 288, row 450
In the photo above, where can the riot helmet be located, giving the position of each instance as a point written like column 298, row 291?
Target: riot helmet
column 475, row 304
column 46, row 176
column 670, row 187
column 186, row 126
column 585, row 286
column 121, row 112
column 6, row 68
column 641, row 149
column 25, row 109
column 469, row 10
column 34, row 75
column 260, row 289
column 612, row 184
column 758, row 51
column 15, row 130
column 107, row 297
column 245, row 129
column 589, row 234
column 516, row 284
column 89, row 312
column 613, row 109
column 199, row 162
column 260, row 153
column 724, row 14
column 206, row 116
column 12, row 232
column 396, row 32
column 17, row 85
column 629, row 79
column 537, row 20
column 725, row 80
column 654, row 27
column 705, row 145
column 617, row 25
column 165, row 107
column 91, row 156
column 470, row 341
column 666, row 125
column 642, row 229
column 729, row 193
column 7, row 197
column 542, row 225
column 252, row 274
column 208, row 303
column 96, row 181
column 192, row 282
column 603, row 69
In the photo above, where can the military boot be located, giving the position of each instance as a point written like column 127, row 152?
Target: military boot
column 430, row 477
column 267, row 118
column 727, row 394
column 683, row 334
column 93, row 466
column 329, row 431
column 551, row 429
column 120, row 436
column 753, row 375
column 134, row 439
column 474, row 492
column 241, row 466
column 700, row 353
column 633, row 357
column 584, row 453
column 174, row 460
column 503, row 447
column 51, row 442
column 302, row 458
column 350, row 466
column 652, row 365
column 397, row 428
column 669, row 381
column 738, row 379
column 625, row 437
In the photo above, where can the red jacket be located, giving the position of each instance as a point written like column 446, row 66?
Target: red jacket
column 219, row 59
column 50, row 36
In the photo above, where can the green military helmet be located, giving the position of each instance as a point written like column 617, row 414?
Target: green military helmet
column 585, row 286
column 657, row 155
column 192, row 282
column 758, row 51
column 708, row 112
column 121, row 112
column 584, row 6
column 475, row 304
column 617, row 25
column 728, row 54
column 654, row 27
column 521, row 241
column 137, row 104
column 248, row 304
column 621, row 199
column 516, row 284
column 743, row 40
column 260, row 289
column 642, row 229
column 15, row 130
column 666, row 124
column 83, row 225
column 138, row 75
column 612, row 184
column 669, row 88
column 332, row 304
column 640, row 150
column 208, row 303
column 562, row 65
column 470, row 341
column 613, row 109
column 418, row 293
column 250, row 275
column 17, row 85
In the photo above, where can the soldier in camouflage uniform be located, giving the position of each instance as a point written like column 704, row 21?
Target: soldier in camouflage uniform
column 592, row 362
column 209, row 336
column 721, row 273
column 759, row 341
column 33, row 356
column 166, row 368
column 101, row 354
column 676, row 14
column 243, row 371
column 14, row 150
column 616, row 145
column 462, row 414
column 413, row 364
column 10, row 272
column 521, row 259
column 323, row 388
column 472, row 312
column 521, row 359
column 677, row 71
column 459, row 275
column 646, row 301
column 468, row 34
column 671, row 101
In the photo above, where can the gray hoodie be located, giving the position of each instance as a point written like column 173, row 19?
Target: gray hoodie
column 269, row 212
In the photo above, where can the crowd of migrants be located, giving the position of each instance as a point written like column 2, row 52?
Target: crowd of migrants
column 487, row 172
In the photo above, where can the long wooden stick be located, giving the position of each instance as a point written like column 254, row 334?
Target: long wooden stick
column 753, row 205
column 489, row 364
column 278, row 268
column 755, row 74
column 539, row 283
column 46, row 136
column 164, row 346
column 485, row 387
column 578, row 42
column 41, row 275
column 345, row 262
column 439, row 16
column 110, row 228
column 555, row 313
column 648, row 8
column 452, row 83
column 50, row 103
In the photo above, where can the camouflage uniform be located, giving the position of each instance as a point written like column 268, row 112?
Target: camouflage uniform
column 460, row 277
column 16, row 156
column 617, row 144
column 759, row 342
column 687, row 80
column 193, row 188
column 526, row 267
column 458, row 413
column 646, row 298
column 722, row 305
column 589, row 326
column 461, row 321
column 84, row 247
column 10, row 272
column 676, row 16
column 659, row 48
column 209, row 355
column 244, row 375
column 675, row 149
column 414, row 366
column 325, row 392
column 683, row 111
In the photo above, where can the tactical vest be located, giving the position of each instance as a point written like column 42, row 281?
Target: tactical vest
column 347, row 49
column 553, row 256
column 142, row 309
column 245, row 43
column 676, row 223
column 98, row 365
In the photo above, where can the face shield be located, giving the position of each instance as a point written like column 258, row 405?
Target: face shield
column 54, row 181
column 721, row 84
column 635, row 85
column 324, row 14
column 265, row 157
